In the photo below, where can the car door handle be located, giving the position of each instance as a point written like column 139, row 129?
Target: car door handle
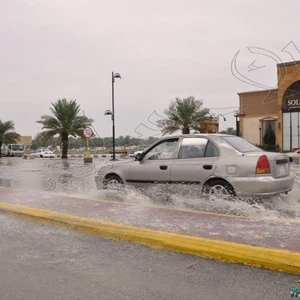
column 163, row 167
column 207, row 167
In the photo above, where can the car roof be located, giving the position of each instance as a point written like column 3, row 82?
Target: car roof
column 210, row 135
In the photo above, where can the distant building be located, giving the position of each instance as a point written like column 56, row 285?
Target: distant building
column 25, row 140
column 272, row 117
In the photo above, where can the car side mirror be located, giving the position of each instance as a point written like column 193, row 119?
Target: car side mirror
column 139, row 157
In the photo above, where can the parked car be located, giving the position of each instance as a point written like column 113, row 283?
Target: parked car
column 294, row 156
column 222, row 165
column 44, row 153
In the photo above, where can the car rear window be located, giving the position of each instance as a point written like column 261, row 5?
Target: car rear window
column 240, row 144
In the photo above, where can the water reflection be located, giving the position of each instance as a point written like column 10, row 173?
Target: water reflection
column 60, row 175
column 5, row 161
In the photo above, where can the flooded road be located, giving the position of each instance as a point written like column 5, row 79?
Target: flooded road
column 41, row 262
column 73, row 177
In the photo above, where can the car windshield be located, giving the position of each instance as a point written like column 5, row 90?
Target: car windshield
column 241, row 144
column 17, row 147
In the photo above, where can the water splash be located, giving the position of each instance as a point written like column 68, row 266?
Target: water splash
column 73, row 177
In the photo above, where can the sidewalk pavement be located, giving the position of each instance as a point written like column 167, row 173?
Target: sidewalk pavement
column 272, row 244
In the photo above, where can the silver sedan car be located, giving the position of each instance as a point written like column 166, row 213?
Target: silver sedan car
column 222, row 165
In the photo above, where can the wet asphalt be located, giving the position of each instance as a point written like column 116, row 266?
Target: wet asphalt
column 41, row 262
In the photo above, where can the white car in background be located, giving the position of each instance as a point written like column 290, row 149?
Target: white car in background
column 43, row 153
column 294, row 156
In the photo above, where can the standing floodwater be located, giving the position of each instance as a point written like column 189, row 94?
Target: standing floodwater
column 73, row 177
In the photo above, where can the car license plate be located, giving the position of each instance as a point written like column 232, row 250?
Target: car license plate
column 281, row 170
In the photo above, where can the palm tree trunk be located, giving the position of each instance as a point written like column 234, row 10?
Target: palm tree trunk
column 65, row 142
column 0, row 149
column 186, row 130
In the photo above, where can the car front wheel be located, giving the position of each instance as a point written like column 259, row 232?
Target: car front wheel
column 112, row 182
column 218, row 189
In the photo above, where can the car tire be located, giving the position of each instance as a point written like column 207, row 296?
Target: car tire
column 220, row 189
column 113, row 182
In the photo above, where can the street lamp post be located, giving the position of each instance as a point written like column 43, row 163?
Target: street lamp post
column 220, row 115
column 237, row 124
column 112, row 113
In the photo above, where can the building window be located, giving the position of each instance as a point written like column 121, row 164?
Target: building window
column 268, row 132
column 291, row 122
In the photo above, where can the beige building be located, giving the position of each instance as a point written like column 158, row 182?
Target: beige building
column 25, row 140
column 272, row 117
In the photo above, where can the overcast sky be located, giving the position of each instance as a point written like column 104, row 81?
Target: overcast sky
column 53, row 49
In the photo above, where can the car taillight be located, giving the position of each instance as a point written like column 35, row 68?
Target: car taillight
column 263, row 165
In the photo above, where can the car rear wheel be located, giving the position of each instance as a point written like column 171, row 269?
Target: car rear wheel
column 112, row 182
column 219, row 189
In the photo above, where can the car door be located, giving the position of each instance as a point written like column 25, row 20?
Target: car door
column 155, row 164
column 37, row 153
column 196, row 160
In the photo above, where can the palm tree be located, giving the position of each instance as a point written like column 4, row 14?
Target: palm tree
column 64, row 121
column 183, row 114
column 229, row 130
column 7, row 134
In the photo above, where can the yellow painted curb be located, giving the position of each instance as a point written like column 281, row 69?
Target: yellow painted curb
column 274, row 259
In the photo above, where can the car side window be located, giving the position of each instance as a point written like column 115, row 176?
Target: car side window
column 164, row 150
column 197, row 148
column 192, row 148
column 211, row 150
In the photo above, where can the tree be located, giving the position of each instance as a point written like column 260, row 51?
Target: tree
column 183, row 114
column 229, row 130
column 7, row 134
column 64, row 121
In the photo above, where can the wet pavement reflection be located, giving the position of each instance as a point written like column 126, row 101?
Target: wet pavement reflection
column 74, row 177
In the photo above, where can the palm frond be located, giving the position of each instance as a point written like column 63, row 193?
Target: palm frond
column 183, row 114
column 65, row 120
column 7, row 133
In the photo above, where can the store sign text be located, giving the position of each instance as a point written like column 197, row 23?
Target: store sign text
column 293, row 102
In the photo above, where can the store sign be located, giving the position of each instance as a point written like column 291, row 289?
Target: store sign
column 294, row 102
column 291, row 104
column 291, row 98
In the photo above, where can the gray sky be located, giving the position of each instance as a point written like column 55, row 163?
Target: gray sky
column 53, row 49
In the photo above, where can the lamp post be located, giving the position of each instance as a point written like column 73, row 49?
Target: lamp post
column 220, row 115
column 237, row 124
column 214, row 116
column 112, row 112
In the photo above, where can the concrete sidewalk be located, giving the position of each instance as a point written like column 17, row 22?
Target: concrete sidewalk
column 264, row 243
